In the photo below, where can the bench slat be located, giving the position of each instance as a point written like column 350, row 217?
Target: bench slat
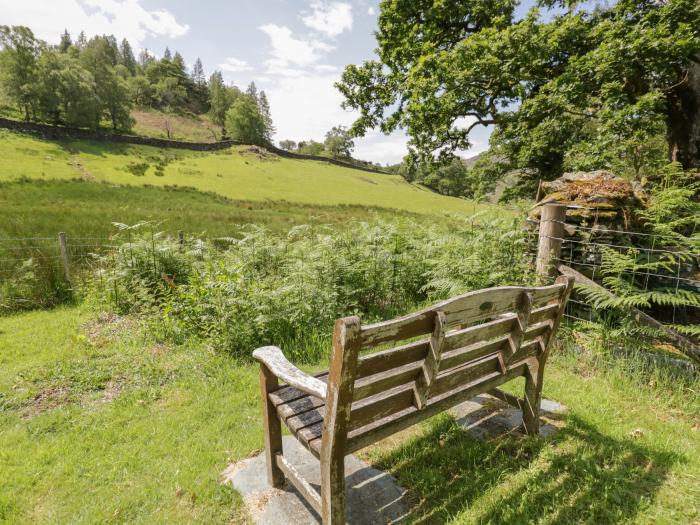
column 378, row 407
column 467, row 308
column 373, row 364
column 363, row 436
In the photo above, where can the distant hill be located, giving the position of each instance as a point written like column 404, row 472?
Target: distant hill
column 470, row 161
column 241, row 172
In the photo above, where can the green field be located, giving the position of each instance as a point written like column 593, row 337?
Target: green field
column 237, row 173
column 102, row 423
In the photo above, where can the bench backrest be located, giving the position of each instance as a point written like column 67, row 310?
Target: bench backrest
column 435, row 353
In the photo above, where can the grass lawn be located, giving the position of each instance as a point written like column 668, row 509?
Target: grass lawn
column 99, row 423
column 88, row 209
column 236, row 173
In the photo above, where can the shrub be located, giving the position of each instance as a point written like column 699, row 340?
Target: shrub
column 263, row 288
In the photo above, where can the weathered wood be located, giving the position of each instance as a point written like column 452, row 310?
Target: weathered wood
column 473, row 306
column 272, row 428
column 380, row 406
column 431, row 364
column 523, row 318
column 289, row 393
column 533, row 396
column 478, row 342
column 381, row 382
column 465, row 355
column 454, row 377
column 341, row 383
column 509, row 398
column 684, row 344
column 297, row 406
column 65, row 258
column 303, row 486
column 534, row 375
column 274, row 359
column 550, row 238
column 373, row 364
column 364, row 436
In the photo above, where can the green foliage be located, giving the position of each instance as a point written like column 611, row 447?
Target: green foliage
column 245, row 122
column 311, row 147
column 264, row 288
column 93, row 80
column 338, row 142
column 18, row 66
column 587, row 87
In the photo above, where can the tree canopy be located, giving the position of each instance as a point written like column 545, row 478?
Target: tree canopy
column 91, row 81
column 564, row 87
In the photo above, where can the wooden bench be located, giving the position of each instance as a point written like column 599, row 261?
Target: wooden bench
column 437, row 358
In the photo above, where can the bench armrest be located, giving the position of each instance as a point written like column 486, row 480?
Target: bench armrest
column 273, row 358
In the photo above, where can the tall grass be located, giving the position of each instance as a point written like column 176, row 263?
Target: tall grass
column 287, row 289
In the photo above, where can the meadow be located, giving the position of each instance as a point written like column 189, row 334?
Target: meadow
column 101, row 422
column 241, row 173
column 125, row 403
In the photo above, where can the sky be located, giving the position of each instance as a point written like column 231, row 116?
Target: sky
column 295, row 50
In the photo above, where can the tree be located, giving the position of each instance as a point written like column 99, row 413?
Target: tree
column 82, row 40
column 288, row 145
column 244, row 122
column 310, row 147
column 145, row 59
column 141, row 90
column 167, row 55
column 338, row 142
column 553, row 84
column 264, row 107
column 18, row 66
column 252, row 91
column 65, row 42
column 198, row 73
column 126, row 56
column 221, row 97
column 66, row 91
column 110, row 88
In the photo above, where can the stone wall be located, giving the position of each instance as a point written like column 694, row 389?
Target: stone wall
column 58, row 132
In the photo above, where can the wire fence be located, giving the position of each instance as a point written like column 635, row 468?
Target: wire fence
column 656, row 262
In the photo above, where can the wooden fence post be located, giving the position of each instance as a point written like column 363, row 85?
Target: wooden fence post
column 181, row 239
column 63, row 245
column 550, row 236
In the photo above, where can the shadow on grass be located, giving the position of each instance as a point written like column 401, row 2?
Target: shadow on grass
column 580, row 476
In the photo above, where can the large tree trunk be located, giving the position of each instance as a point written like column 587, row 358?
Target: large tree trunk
column 684, row 119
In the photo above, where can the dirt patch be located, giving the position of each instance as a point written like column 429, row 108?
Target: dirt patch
column 84, row 173
column 106, row 328
column 111, row 391
column 46, row 399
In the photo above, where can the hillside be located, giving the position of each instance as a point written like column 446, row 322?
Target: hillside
column 236, row 173
column 194, row 128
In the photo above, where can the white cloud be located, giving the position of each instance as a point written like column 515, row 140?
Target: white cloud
column 125, row 19
column 234, row 65
column 288, row 50
column 329, row 18
column 371, row 11
column 308, row 105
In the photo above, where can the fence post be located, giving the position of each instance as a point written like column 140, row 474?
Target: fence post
column 549, row 244
column 63, row 245
column 181, row 239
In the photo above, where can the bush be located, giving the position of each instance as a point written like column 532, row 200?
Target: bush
column 263, row 288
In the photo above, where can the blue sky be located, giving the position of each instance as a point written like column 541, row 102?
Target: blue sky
column 293, row 49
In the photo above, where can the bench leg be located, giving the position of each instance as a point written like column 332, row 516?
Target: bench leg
column 333, row 491
column 533, row 397
column 272, row 427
